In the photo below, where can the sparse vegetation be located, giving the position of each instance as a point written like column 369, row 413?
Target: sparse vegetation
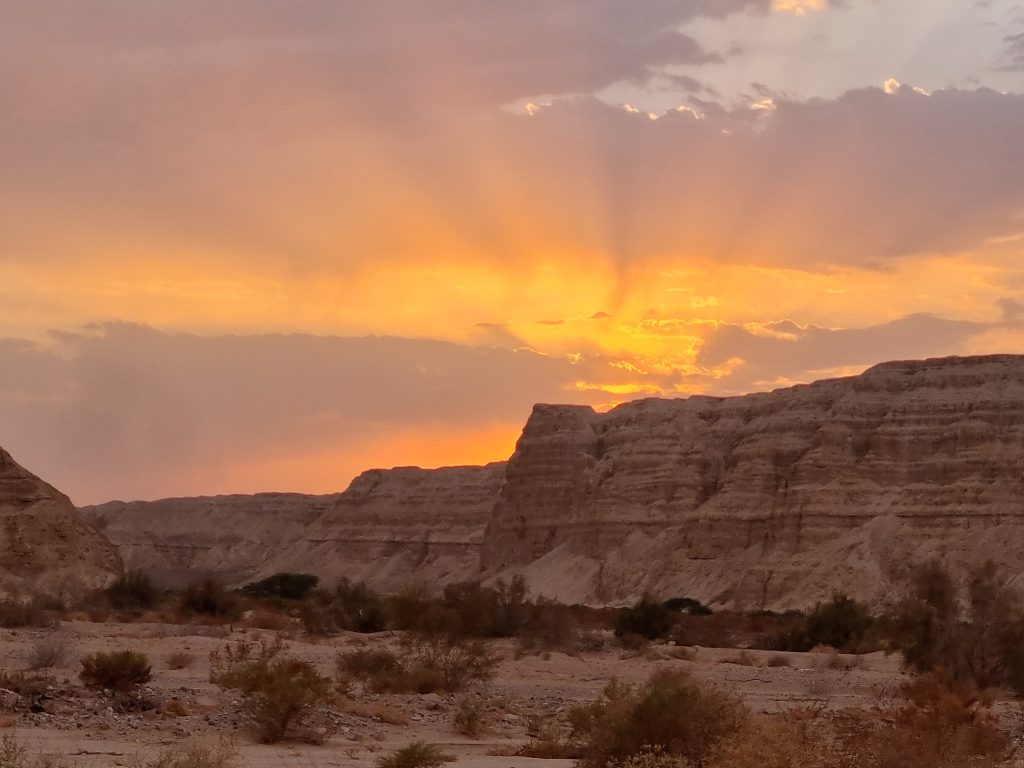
column 648, row 619
column 418, row 754
column 221, row 755
column 981, row 642
column 14, row 755
column 468, row 718
column 286, row 586
column 282, row 693
column 180, row 660
column 210, row 598
column 50, row 651
column 670, row 711
column 24, row 613
column 133, row 592
column 842, row 623
column 120, row 671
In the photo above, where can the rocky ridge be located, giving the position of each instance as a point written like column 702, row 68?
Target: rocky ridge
column 45, row 545
column 771, row 500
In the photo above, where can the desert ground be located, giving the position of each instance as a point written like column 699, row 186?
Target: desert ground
column 84, row 729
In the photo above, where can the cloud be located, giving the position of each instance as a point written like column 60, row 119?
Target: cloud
column 127, row 410
column 783, row 352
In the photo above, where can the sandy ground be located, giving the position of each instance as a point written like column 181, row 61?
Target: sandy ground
column 527, row 690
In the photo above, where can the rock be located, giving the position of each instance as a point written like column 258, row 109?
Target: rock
column 773, row 500
column 46, row 547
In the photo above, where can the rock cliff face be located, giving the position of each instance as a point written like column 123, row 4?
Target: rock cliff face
column 771, row 500
column 390, row 527
column 45, row 545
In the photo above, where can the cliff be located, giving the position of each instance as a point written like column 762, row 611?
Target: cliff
column 770, row 500
column 390, row 527
column 45, row 545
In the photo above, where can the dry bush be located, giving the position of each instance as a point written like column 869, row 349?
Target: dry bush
column 550, row 742
column 14, row 755
column 428, row 664
column 46, row 653
column 133, row 592
column 24, row 684
column 982, row 643
column 468, row 718
column 209, row 598
column 938, row 726
column 635, row 643
column 25, row 613
column 669, row 711
column 652, row 758
column 119, row 671
column 794, row 741
column 282, row 694
column 777, row 660
column 222, row 755
column 418, row 754
column 180, row 660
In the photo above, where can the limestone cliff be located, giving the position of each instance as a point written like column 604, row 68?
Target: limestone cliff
column 390, row 527
column 770, row 500
column 45, row 545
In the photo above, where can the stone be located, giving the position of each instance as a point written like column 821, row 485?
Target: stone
column 46, row 547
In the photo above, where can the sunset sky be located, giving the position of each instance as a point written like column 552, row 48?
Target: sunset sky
column 252, row 246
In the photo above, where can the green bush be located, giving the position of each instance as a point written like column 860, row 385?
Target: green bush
column 120, row 671
column 286, row 586
column 646, row 619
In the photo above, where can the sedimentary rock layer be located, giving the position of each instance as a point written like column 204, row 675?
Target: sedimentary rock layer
column 45, row 545
column 770, row 500
column 390, row 527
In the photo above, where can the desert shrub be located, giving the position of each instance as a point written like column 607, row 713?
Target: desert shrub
column 282, row 693
column 14, row 755
column 797, row 740
column 349, row 606
column 652, row 758
column 180, row 660
column 669, row 711
column 221, row 755
column 24, row 613
column 428, row 664
column 24, row 684
column 937, row 726
column 777, row 660
column 418, row 754
column 50, row 651
column 287, row 586
column 552, row 627
column 842, row 623
column 132, row 592
column 647, row 619
column 687, row 605
column 468, row 718
column 116, row 671
column 210, row 598
column 982, row 643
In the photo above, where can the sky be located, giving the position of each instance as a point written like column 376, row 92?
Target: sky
column 265, row 246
